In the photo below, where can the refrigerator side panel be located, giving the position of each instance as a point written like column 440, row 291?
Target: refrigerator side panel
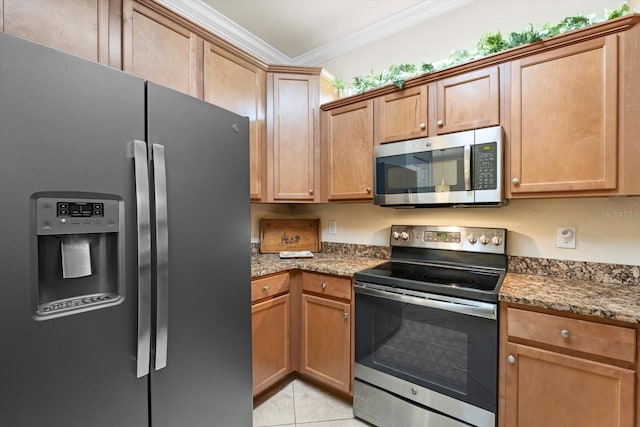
column 65, row 124
column 207, row 380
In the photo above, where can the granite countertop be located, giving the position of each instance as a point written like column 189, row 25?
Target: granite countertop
column 335, row 264
column 591, row 298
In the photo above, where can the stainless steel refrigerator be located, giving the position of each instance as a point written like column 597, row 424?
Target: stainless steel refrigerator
column 124, row 257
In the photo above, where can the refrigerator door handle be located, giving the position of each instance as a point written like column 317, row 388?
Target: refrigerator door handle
column 144, row 257
column 162, row 256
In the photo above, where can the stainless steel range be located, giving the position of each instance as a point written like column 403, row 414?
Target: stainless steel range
column 426, row 329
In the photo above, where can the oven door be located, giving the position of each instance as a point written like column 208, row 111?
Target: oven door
column 438, row 351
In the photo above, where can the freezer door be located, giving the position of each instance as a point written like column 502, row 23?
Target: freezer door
column 65, row 128
column 207, row 379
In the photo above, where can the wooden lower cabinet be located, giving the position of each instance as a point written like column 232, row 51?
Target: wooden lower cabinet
column 270, row 324
column 326, row 341
column 301, row 322
column 568, row 371
column 270, row 330
column 546, row 388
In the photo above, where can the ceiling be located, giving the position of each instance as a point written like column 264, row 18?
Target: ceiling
column 307, row 32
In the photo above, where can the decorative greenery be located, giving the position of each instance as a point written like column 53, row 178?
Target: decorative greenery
column 488, row 44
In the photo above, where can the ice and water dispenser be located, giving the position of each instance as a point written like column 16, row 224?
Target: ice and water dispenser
column 80, row 254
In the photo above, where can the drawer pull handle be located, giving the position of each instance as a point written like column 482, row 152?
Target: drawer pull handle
column 565, row 333
column 265, row 288
column 323, row 285
column 346, row 315
column 511, row 359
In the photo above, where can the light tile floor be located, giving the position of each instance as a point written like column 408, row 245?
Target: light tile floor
column 300, row 404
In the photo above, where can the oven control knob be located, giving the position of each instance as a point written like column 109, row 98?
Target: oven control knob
column 404, row 235
column 472, row 238
column 496, row 240
column 396, row 235
column 484, row 239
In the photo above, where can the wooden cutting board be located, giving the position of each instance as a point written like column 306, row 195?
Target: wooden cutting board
column 278, row 235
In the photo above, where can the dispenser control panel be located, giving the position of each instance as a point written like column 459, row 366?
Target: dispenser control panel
column 77, row 216
column 80, row 209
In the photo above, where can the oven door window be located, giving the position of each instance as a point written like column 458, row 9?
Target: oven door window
column 451, row 353
column 422, row 172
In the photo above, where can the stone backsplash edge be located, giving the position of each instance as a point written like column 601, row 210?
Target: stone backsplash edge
column 564, row 269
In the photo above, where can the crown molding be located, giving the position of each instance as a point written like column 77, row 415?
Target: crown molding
column 384, row 28
column 218, row 24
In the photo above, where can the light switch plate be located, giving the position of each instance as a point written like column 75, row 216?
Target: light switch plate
column 332, row 226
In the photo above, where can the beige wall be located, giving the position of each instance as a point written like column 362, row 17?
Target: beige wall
column 608, row 229
column 461, row 28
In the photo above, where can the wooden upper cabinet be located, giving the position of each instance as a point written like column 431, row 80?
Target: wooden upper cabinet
column 564, row 114
column 160, row 49
column 468, row 101
column 347, row 141
column 401, row 115
column 86, row 28
column 239, row 86
column 292, row 148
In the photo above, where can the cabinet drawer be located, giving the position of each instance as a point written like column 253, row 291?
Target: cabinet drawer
column 615, row 342
column 269, row 286
column 338, row 287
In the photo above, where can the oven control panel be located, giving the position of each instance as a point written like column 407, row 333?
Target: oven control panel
column 471, row 239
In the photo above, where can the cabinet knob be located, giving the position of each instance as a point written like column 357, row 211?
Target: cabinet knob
column 311, row 191
column 565, row 333
column 423, row 126
column 323, row 285
column 368, row 190
column 515, row 181
column 440, row 123
column 346, row 315
column 265, row 288
column 511, row 359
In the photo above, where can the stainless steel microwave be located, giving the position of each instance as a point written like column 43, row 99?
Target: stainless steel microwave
column 458, row 169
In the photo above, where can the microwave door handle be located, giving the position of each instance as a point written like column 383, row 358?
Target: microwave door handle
column 162, row 256
column 467, row 168
column 143, row 215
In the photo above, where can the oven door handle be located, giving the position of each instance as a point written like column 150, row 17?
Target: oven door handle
column 440, row 302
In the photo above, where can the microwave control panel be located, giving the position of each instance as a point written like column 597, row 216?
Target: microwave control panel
column 485, row 166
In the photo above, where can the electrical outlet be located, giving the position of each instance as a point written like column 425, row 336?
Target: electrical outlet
column 566, row 237
column 332, row 226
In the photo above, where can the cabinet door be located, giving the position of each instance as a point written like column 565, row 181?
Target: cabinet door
column 468, row 101
column 292, row 156
column 544, row 388
column 401, row 115
column 159, row 49
column 326, row 341
column 564, row 119
column 347, row 141
column 239, row 86
column 86, row 28
column 271, row 343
